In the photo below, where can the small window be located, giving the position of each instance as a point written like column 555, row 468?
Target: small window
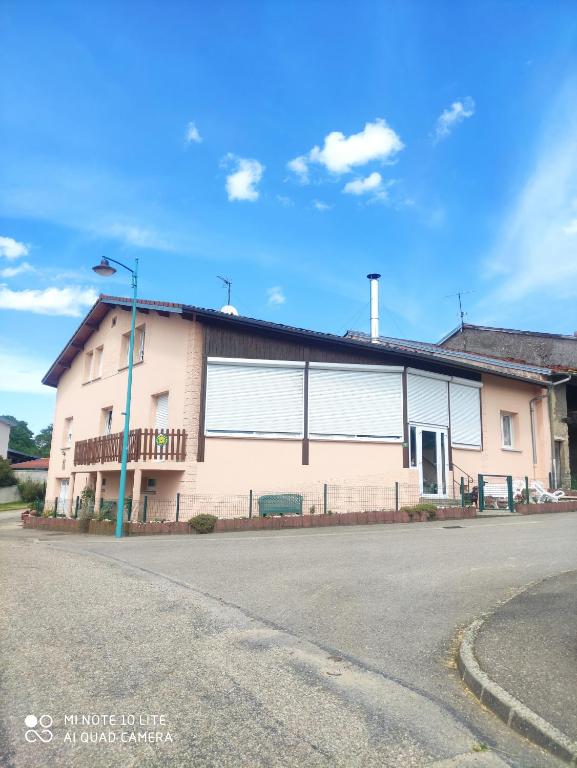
column 107, row 421
column 150, row 485
column 68, row 433
column 97, row 363
column 507, row 430
column 88, row 365
column 412, row 446
column 138, row 351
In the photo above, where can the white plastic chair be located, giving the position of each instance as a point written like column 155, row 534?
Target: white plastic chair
column 542, row 495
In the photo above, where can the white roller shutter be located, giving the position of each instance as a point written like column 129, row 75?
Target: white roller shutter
column 465, row 415
column 247, row 398
column 428, row 399
column 355, row 404
column 161, row 421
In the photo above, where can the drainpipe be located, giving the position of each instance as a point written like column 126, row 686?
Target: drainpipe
column 532, row 417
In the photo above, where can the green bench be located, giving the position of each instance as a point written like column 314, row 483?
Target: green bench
column 280, row 504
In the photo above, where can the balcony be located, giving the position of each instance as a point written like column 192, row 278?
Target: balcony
column 143, row 445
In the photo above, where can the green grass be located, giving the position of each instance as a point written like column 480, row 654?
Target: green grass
column 8, row 506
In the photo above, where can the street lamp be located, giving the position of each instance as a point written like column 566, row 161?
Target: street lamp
column 104, row 269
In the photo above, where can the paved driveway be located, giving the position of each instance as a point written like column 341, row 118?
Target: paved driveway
column 321, row 647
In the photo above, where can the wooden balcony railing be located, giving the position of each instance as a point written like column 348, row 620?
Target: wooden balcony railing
column 143, row 445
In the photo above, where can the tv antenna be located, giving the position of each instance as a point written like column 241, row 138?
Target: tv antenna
column 227, row 284
column 459, row 294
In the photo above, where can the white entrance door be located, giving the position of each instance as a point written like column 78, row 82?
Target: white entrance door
column 433, row 461
column 63, row 496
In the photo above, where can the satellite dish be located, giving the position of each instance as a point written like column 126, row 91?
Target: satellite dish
column 228, row 309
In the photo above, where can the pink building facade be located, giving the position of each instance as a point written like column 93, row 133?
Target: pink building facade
column 243, row 404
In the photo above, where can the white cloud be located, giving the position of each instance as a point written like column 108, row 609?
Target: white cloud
column 370, row 183
column 13, row 271
column 340, row 153
column 535, row 254
column 276, row 296
column 134, row 234
column 242, row 183
column 192, row 135
column 284, row 200
column 26, row 372
column 12, row 249
column 69, row 301
column 321, row 206
column 299, row 166
column 457, row 112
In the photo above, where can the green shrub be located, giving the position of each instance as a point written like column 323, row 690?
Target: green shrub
column 203, row 523
column 31, row 491
column 7, row 477
column 429, row 509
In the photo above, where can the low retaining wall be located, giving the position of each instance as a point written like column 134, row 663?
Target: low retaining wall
column 101, row 528
column 52, row 523
column 549, row 506
column 345, row 518
column 9, row 493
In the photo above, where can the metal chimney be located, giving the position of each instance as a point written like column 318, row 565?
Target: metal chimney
column 374, row 278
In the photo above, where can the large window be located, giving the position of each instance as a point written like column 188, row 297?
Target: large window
column 254, row 398
column 465, row 413
column 428, row 398
column 355, row 402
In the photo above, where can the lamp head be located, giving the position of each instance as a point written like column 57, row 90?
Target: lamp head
column 104, row 269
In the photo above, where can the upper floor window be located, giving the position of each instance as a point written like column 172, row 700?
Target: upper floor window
column 138, row 352
column 106, row 421
column 67, row 442
column 88, row 365
column 97, row 363
column 508, row 430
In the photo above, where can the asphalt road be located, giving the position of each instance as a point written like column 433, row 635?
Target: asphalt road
column 290, row 648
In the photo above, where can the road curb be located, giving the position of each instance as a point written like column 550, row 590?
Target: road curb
column 509, row 709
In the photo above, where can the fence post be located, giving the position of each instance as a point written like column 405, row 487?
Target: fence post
column 177, row 506
column 510, row 493
column 527, row 490
column 55, row 506
column 325, row 498
column 396, row 495
column 462, row 491
column 144, row 508
column 250, row 503
column 481, row 484
column 76, row 507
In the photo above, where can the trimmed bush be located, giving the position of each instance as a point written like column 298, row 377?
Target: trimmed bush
column 31, row 491
column 203, row 523
column 426, row 507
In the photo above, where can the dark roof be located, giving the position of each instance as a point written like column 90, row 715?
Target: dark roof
column 13, row 455
column 8, row 422
column 32, row 464
column 512, row 331
column 495, row 364
column 416, row 350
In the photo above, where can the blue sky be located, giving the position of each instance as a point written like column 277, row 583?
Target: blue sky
column 294, row 147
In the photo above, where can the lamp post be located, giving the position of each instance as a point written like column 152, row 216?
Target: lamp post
column 104, row 269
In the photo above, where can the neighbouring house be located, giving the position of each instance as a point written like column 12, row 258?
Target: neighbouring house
column 223, row 403
column 5, row 427
column 555, row 351
column 33, row 469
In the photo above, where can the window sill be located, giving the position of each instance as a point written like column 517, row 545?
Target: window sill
column 125, row 367
column 458, row 447
column 91, row 381
column 510, row 449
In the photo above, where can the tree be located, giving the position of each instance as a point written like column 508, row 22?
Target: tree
column 7, row 477
column 21, row 437
column 43, row 441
